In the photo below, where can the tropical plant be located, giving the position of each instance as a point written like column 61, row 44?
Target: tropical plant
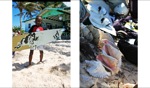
column 27, row 9
column 16, row 28
column 51, row 4
column 22, row 31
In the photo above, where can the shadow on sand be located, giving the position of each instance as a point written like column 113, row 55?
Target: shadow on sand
column 19, row 66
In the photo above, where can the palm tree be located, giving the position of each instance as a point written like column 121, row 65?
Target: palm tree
column 26, row 9
column 51, row 4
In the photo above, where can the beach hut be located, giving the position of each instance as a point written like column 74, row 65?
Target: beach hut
column 53, row 18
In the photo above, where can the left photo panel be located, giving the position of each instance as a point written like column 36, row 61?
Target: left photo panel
column 41, row 44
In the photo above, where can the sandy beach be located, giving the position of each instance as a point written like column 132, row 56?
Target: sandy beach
column 127, row 78
column 53, row 72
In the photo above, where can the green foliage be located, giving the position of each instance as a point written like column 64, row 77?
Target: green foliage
column 26, row 9
column 17, row 29
column 22, row 31
column 43, row 4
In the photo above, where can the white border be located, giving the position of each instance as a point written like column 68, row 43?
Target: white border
column 6, row 43
column 75, row 43
column 143, row 43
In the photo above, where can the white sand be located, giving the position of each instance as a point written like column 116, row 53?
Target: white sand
column 128, row 75
column 53, row 72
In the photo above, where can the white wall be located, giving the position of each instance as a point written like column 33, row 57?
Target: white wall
column 32, row 22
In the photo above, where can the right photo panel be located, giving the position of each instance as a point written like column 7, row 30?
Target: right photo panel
column 109, row 43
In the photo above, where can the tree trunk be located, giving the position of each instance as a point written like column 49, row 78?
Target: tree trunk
column 20, row 19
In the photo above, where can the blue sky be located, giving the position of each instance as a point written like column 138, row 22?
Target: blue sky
column 16, row 19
